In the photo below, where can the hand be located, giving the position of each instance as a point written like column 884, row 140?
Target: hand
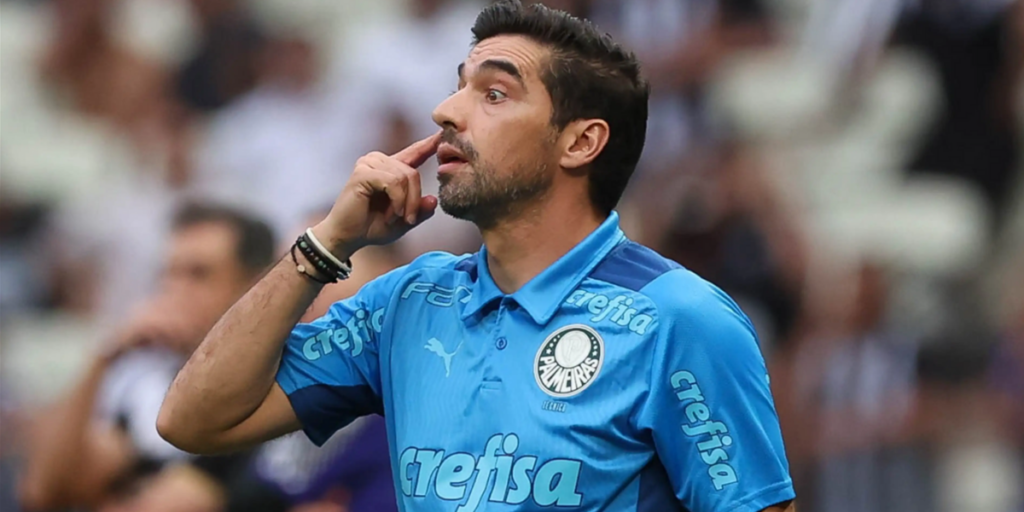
column 161, row 322
column 381, row 201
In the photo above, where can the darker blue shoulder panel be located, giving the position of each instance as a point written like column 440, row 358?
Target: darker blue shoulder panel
column 323, row 409
column 656, row 493
column 631, row 266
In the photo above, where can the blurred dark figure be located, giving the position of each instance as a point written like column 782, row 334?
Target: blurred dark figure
column 225, row 64
column 20, row 271
column 102, row 79
column 351, row 473
column 972, row 465
column 857, row 382
column 98, row 445
column 680, row 43
column 99, row 77
column 274, row 149
column 733, row 229
column 977, row 47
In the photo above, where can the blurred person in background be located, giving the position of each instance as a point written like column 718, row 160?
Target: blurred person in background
column 225, row 63
column 730, row 225
column 970, row 464
column 277, row 148
column 97, row 76
column 101, row 77
column 97, row 445
column 856, row 379
column 733, row 228
column 681, row 43
column 977, row 49
column 96, row 269
column 350, row 473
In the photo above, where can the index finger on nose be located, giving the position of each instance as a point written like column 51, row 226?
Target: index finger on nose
column 418, row 152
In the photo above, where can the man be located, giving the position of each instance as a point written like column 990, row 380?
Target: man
column 95, row 445
column 561, row 365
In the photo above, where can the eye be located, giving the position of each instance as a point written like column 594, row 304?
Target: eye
column 494, row 95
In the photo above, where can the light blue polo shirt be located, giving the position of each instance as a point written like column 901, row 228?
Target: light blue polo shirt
column 615, row 380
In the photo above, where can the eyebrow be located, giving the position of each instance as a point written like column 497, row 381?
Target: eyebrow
column 503, row 66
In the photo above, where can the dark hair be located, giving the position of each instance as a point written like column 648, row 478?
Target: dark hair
column 255, row 245
column 588, row 76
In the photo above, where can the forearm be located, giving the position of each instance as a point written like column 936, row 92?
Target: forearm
column 231, row 373
column 225, row 397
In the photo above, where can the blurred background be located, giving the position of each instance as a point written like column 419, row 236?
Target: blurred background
column 849, row 170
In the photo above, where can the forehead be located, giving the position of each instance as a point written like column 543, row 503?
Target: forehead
column 525, row 53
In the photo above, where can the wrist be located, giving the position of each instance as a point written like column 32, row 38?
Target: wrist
column 341, row 247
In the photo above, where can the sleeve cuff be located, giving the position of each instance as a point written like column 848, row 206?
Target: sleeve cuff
column 771, row 495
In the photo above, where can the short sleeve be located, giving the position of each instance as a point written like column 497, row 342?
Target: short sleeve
column 710, row 411
column 330, row 368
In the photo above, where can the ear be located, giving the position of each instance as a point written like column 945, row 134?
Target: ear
column 582, row 141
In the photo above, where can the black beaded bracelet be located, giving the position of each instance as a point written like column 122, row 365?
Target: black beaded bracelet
column 321, row 262
column 302, row 269
column 314, row 259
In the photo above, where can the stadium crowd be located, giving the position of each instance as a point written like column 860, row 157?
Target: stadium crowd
column 849, row 171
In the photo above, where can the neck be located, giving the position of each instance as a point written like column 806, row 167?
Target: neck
column 521, row 248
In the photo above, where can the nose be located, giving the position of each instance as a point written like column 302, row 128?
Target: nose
column 449, row 115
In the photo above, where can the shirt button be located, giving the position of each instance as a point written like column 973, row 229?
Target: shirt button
column 501, row 343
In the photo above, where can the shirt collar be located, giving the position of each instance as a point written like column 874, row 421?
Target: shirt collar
column 542, row 295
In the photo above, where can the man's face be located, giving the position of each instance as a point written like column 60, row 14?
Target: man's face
column 203, row 275
column 497, row 151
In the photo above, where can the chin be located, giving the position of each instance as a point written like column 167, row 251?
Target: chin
column 457, row 210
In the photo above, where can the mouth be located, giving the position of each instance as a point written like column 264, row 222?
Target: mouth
column 449, row 158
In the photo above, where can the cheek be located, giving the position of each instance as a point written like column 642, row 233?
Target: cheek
column 515, row 144
column 509, row 132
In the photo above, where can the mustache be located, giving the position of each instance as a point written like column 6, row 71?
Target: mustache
column 449, row 136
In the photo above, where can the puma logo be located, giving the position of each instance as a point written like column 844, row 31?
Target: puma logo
column 434, row 345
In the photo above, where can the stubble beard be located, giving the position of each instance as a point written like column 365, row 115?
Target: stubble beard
column 484, row 197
